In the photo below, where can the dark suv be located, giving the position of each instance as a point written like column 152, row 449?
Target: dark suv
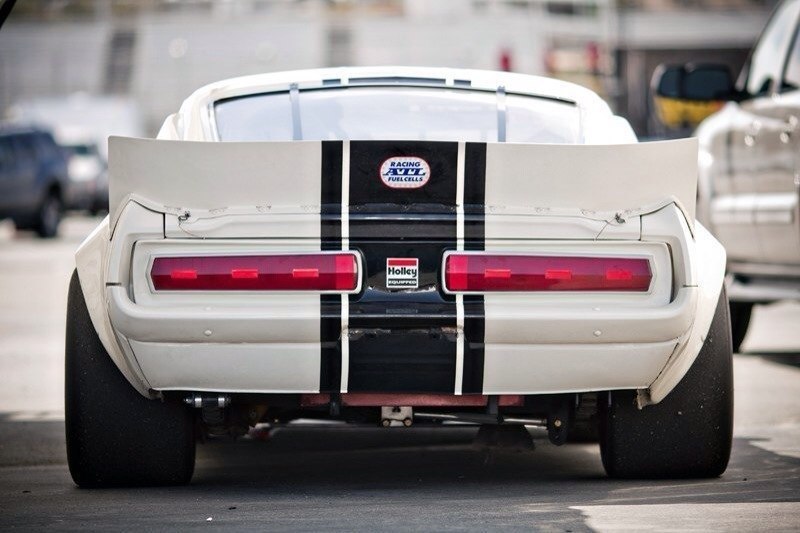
column 33, row 179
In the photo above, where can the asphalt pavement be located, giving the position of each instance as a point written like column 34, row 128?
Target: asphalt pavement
column 342, row 478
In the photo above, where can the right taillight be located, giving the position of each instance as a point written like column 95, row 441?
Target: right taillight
column 480, row 272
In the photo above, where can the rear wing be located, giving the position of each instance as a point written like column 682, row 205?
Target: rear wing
column 602, row 181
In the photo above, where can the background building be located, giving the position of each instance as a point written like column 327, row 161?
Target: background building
column 153, row 53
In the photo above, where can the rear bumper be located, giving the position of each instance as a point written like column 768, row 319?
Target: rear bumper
column 291, row 343
column 510, row 369
column 541, row 324
column 538, row 349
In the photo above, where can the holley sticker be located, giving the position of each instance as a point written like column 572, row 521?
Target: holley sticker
column 402, row 272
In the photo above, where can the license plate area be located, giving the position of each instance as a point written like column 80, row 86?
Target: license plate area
column 398, row 359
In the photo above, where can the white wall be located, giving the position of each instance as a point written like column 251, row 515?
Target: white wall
column 176, row 55
column 46, row 60
column 448, row 39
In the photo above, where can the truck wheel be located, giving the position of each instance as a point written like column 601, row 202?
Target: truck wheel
column 740, row 320
column 115, row 436
column 49, row 216
column 689, row 433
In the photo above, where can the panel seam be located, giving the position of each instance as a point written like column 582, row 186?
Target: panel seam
column 459, row 381
column 345, row 231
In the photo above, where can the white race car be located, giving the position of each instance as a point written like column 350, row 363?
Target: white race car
column 398, row 246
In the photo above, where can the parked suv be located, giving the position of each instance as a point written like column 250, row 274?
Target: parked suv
column 88, row 178
column 749, row 161
column 33, row 179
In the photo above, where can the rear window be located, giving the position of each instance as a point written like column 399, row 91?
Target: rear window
column 396, row 113
column 81, row 149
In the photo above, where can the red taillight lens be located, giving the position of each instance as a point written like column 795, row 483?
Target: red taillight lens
column 487, row 272
column 301, row 272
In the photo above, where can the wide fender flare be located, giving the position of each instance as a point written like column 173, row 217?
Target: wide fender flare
column 709, row 260
column 91, row 262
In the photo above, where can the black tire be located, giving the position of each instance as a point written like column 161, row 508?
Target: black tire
column 115, row 436
column 740, row 320
column 689, row 433
column 48, row 217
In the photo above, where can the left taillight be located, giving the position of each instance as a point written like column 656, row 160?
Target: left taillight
column 336, row 272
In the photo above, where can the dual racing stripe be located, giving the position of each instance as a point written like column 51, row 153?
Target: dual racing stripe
column 402, row 341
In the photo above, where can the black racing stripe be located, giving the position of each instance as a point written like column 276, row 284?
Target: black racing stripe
column 330, row 373
column 331, row 196
column 330, row 327
column 474, row 329
column 401, row 226
column 369, row 194
column 402, row 341
column 474, row 195
column 474, row 239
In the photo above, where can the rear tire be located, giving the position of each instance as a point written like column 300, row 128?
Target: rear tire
column 116, row 436
column 689, row 433
column 740, row 320
column 49, row 216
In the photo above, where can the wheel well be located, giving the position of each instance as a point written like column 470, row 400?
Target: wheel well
column 54, row 189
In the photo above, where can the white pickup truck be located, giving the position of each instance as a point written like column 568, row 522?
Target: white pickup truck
column 749, row 161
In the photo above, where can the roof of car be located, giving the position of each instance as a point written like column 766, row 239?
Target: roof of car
column 194, row 121
column 426, row 76
column 8, row 129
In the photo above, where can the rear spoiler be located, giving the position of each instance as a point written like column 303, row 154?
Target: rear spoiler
column 602, row 181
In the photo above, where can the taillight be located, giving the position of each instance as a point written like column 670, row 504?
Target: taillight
column 295, row 272
column 478, row 272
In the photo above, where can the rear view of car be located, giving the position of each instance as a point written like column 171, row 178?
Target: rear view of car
column 397, row 247
column 88, row 178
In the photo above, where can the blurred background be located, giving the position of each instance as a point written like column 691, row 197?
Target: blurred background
column 73, row 72
column 122, row 65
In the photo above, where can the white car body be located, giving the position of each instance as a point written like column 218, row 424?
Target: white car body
column 181, row 194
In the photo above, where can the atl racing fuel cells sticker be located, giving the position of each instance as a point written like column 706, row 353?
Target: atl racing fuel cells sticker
column 405, row 172
column 402, row 272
